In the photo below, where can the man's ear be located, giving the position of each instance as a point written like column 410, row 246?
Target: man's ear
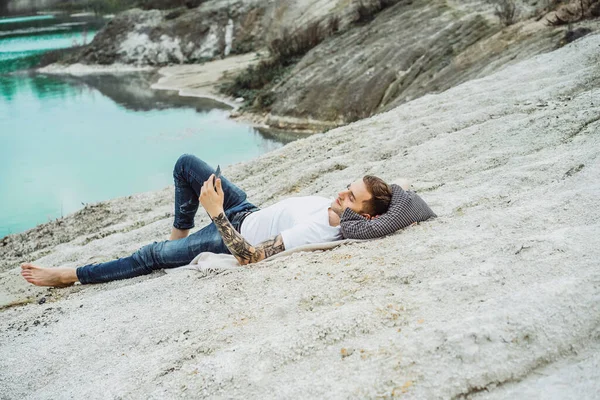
column 367, row 216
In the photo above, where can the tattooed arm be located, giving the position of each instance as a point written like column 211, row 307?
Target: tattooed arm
column 244, row 252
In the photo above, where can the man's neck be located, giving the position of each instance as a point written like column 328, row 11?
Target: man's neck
column 334, row 219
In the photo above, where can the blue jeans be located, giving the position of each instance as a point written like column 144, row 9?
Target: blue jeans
column 189, row 174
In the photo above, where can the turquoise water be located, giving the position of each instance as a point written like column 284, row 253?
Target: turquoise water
column 24, row 39
column 65, row 142
column 24, row 52
column 10, row 20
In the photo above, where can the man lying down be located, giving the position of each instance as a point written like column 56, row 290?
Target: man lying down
column 366, row 209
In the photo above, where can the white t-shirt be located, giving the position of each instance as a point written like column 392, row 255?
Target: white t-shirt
column 300, row 220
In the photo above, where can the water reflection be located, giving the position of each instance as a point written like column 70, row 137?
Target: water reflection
column 8, row 87
column 280, row 136
column 133, row 92
column 44, row 86
column 39, row 86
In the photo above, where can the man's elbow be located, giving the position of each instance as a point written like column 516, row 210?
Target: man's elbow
column 242, row 261
column 246, row 261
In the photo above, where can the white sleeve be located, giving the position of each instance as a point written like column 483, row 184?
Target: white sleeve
column 302, row 234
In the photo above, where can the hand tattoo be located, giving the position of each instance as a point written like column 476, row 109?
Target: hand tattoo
column 243, row 251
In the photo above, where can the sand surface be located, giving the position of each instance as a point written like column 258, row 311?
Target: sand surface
column 202, row 80
column 498, row 298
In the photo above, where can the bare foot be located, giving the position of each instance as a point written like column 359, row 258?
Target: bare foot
column 40, row 276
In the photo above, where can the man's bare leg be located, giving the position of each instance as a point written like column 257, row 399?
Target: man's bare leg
column 48, row 276
column 179, row 233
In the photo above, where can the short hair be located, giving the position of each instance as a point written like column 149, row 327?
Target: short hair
column 381, row 196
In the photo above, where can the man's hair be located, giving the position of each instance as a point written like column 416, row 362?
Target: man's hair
column 381, row 194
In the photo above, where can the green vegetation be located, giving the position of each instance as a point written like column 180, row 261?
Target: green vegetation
column 64, row 56
column 506, row 11
column 98, row 7
column 255, row 84
column 167, row 4
column 101, row 7
column 367, row 9
column 291, row 45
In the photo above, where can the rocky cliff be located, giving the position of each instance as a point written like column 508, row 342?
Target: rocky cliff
column 408, row 49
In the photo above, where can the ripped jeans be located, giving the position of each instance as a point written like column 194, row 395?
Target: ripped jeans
column 189, row 174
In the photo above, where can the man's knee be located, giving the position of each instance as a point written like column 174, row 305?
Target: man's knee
column 182, row 163
column 190, row 164
column 148, row 256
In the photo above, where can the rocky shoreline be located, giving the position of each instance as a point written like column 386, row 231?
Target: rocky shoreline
column 362, row 66
column 495, row 299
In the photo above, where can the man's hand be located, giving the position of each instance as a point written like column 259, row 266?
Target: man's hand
column 212, row 200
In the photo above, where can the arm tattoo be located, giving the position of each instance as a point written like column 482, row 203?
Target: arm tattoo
column 243, row 251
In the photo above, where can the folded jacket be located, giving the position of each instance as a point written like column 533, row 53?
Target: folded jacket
column 405, row 209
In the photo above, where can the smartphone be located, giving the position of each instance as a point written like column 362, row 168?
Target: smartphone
column 217, row 175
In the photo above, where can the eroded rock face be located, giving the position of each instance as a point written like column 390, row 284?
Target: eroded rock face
column 410, row 49
column 217, row 28
column 364, row 69
column 158, row 37
column 407, row 51
column 574, row 11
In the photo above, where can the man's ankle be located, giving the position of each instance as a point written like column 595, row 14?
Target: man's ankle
column 69, row 276
column 179, row 233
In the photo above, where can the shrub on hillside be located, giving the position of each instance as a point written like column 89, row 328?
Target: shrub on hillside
column 572, row 35
column 167, row 4
column 289, row 45
column 506, row 11
column 175, row 13
column 333, row 25
column 101, row 7
column 255, row 83
column 65, row 56
column 365, row 12
column 367, row 9
column 243, row 46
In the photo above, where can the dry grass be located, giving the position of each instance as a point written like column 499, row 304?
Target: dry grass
column 367, row 9
column 292, row 44
column 255, row 83
column 506, row 11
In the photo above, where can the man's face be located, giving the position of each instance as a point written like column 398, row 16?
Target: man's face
column 353, row 198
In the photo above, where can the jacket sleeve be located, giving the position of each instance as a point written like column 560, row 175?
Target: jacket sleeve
column 405, row 209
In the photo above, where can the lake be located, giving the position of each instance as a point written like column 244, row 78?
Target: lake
column 66, row 141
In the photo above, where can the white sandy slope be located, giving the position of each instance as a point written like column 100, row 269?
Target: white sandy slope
column 202, row 80
column 497, row 298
